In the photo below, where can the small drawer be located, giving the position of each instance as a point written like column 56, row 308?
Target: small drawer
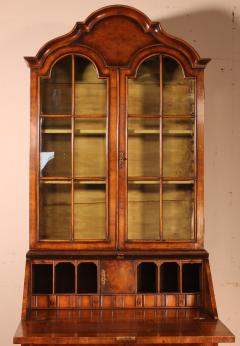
column 181, row 300
column 65, row 301
column 129, row 301
column 171, row 300
column 106, row 301
column 85, row 302
column 149, row 300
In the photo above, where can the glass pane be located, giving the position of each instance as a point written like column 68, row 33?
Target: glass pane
column 144, row 90
column 89, row 210
column 143, row 210
column 90, row 91
column 178, row 148
column 55, row 154
column 90, row 148
column 55, row 210
column 56, row 92
column 178, row 93
column 178, row 211
column 143, row 147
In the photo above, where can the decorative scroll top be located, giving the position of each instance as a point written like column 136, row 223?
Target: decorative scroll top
column 117, row 33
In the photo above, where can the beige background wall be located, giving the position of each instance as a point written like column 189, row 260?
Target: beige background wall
column 212, row 27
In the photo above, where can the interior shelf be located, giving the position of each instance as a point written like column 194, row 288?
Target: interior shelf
column 62, row 182
column 165, row 133
column 86, row 182
column 76, row 132
column 164, row 116
column 56, row 131
column 76, row 181
column 76, row 116
column 90, row 132
column 178, row 182
column 169, row 182
column 143, row 182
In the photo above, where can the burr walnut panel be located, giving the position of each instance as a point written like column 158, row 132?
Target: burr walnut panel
column 114, row 32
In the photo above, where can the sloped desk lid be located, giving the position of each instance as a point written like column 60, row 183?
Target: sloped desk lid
column 149, row 326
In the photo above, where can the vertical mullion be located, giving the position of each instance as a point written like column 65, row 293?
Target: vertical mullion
column 159, row 278
column 76, row 276
column 195, row 164
column 72, row 147
column 160, row 144
column 108, row 148
column 53, row 278
column 180, row 277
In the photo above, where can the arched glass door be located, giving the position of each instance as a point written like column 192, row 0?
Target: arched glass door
column 160, row 152
column 73, row 195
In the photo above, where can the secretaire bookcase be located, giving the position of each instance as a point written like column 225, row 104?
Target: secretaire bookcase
column 116, row 190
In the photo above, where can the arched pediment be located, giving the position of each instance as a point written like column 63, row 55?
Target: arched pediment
column 117, row 33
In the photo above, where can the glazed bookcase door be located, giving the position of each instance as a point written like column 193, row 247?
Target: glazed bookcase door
column 75, row 201
column 158, row 173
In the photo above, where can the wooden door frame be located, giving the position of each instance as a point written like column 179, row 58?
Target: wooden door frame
column 103, row 72
column 189, row 72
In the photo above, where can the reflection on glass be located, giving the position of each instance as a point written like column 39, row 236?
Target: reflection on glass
column 56, row 91
column 90, row 210
column 143, row 147
column 55, row 210
column 144, row 90
column 178, row 93
column 55, row 153
column 178, row 148
column 90, row 91
column 90, row 147
column 143, row 210
column 178, row 211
